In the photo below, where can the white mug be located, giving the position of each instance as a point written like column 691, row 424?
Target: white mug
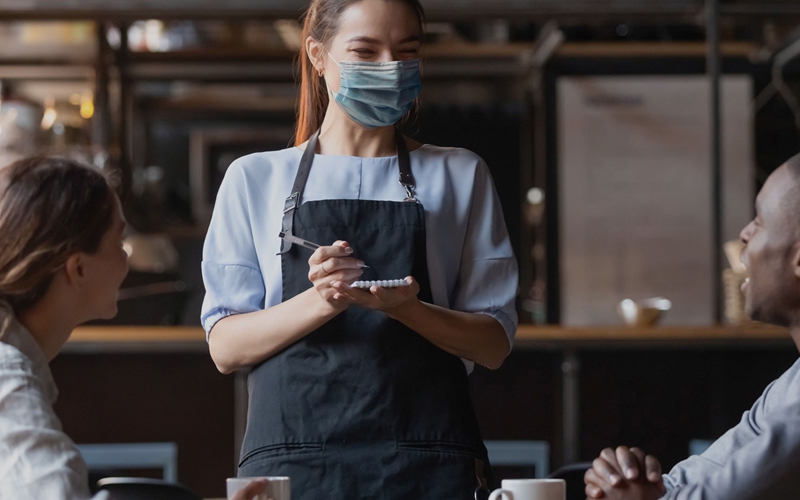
column 531, row 489
column 278, row 487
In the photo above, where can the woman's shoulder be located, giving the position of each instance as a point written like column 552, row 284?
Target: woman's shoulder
column 12, row 358
column 16, row 345
column 451, row 157
column 451, row 153
column 264, row 163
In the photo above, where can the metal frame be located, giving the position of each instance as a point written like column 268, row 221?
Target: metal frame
column 201, row 141
column 713, row 68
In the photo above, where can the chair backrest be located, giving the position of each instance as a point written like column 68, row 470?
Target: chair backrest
column 520, row 454
column 573, row 475
column 114, row 456
column 139, row 488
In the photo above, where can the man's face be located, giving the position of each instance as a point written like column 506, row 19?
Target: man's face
column 772, row 290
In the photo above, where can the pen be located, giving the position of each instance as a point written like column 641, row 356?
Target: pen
column 303, row 243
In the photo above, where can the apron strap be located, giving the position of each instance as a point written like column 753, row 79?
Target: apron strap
column 406, row 178
column 293, row 201
column 482, row 490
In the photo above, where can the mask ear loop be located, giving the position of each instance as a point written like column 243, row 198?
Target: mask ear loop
column 334, row 60
column 332, row 93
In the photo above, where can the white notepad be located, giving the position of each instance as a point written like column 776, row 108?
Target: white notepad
column 381, row 283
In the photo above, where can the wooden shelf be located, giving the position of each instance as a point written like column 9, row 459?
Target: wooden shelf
column 463, row 50
column 111, row 339
column 652, row 49
column 137, row 334
column 128, row 339
column 560, row 336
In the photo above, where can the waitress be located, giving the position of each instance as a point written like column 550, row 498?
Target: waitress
column 360, row 393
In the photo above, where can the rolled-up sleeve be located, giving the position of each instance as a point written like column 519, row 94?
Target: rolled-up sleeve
column 231, row 273
column 488, row 276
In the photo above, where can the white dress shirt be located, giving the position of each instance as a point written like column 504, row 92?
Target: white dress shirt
column 471, row 264
column 37, row 460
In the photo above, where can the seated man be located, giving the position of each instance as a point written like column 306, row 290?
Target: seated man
column 760, row 457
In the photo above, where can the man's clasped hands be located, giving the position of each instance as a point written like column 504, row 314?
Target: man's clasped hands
column 624, row 474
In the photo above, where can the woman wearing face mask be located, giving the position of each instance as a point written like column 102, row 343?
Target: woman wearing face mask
column 360, row 393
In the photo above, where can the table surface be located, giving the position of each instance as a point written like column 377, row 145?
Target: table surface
column 88, row 339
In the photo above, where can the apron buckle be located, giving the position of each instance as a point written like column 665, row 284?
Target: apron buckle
column 409, row 192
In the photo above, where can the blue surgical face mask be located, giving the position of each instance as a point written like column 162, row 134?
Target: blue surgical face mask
column 377, row 94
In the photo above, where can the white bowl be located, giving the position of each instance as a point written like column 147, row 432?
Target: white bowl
column 646, row 312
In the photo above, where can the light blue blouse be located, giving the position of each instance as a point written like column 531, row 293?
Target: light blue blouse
column 470, row 261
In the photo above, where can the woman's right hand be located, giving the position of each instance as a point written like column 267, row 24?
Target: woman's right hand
column 330, row 264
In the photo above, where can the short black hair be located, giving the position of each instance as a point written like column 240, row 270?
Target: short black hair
column 792, row 202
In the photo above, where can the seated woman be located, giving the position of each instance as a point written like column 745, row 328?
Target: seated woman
column 61, row 264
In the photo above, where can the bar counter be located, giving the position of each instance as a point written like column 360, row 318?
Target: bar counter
column 570, row 386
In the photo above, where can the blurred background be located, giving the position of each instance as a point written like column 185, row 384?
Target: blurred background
column 627, row 140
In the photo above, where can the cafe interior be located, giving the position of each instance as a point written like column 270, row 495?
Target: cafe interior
column 627, row 140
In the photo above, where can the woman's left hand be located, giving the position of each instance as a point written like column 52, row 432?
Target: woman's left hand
column 388, row 300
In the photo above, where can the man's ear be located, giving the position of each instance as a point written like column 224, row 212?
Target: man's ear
column 316, row 53
column 75, row 269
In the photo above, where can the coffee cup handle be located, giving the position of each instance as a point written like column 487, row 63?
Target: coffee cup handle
column 499, row 493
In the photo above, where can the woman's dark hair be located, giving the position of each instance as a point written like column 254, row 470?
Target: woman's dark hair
column 50, row 209
column 321, row 22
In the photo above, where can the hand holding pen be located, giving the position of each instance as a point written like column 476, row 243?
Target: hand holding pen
column 308, row 244
column 330, row 264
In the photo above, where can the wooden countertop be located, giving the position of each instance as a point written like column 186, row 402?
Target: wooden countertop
column 753, row 331
column 126, row 339
column 654, row 336
column 110, row 339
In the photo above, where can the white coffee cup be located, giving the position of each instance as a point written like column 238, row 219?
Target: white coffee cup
column 278, row 487
column 531, row 489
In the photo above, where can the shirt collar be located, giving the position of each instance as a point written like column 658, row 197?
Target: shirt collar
column 13, row 333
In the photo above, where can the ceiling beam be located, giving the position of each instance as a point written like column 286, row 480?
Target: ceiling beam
column 436, row 9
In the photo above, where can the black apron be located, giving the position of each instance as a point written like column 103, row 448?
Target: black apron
column 363, row 407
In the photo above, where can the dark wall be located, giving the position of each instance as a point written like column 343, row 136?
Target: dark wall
column 132, row 398
column 655, row 398
column 491, row 131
